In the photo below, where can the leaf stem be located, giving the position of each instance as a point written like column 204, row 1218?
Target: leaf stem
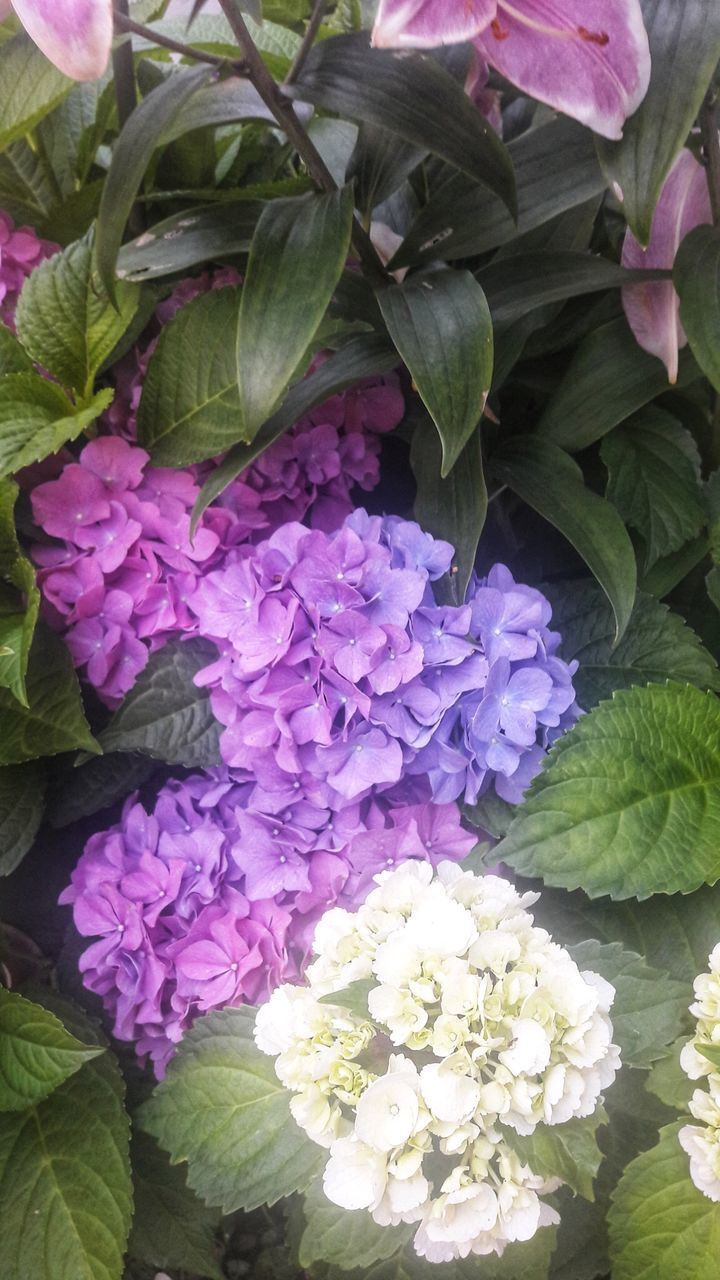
column 123, row 23
column 711, row 149
column 283, row 111
column 308, row 40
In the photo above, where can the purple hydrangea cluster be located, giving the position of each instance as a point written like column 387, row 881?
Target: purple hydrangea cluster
column 211, row 897
column 337, row 664
column 21, row 250
column 117, row 577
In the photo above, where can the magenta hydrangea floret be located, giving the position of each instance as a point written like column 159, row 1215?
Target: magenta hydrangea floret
column 21, row 250
column 211, row 896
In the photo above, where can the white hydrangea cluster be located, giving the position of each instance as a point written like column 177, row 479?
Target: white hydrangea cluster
column 478, row 1028
column 700, row 1059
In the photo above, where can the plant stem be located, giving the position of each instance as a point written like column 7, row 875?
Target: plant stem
column 711, row 148
column 123, row 23
column 308, row 40
column 284, row 113
column 126, row 96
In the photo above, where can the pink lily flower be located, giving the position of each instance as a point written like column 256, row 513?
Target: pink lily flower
column 653, row 309
column 588, row 60
column 74, row 34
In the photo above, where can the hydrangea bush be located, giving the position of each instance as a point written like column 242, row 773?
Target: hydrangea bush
column 359, row 590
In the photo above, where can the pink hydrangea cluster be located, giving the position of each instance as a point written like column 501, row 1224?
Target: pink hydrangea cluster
column 21, row 250
column 211, row 897
column 335, row 662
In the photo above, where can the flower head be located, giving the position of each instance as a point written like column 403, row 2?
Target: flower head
column 700, row 1059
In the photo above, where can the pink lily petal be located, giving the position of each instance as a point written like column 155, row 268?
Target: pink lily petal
column 425, row 24
column 591, row 61
column 653, row 310
column 74, row 34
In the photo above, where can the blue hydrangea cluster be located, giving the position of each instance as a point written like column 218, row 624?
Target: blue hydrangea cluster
column 337, row 664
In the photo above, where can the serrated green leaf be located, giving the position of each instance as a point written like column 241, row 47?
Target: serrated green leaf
column 667, row 1080
column 296, row 258
column 654, row 481
column 346, row 1240
column 54, row 720
column 569, row 1151
column 354, row 997
column 187, row 239
column 661, row 1226
column 392, row 92
column 65, row 1178
column 22, row 796
column 32, row 86
column 190, row 407
column 26, row 191
column 696, row 275
column 37, row 419
column 171, row 1227
column 165, row 715
column 632, row 783
column 66, row 319
column 19, row 599
column 80, row 792
column 453, row 508
column 548, row 479
column 648, row 1006
column 657, row 644
column 222, row 1109
column 684, row 48
column 440, row 324
column 36, row 1052
column 13, row 358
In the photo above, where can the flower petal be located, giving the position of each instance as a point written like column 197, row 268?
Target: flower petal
column 653, row 310
column 74, row 34
column 589, row 61
column 425, row 24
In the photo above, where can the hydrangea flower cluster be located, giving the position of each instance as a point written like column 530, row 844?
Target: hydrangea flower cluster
column 496, row 1031
column 211, row 897
column 21, row 250
column 336, row 661
column 700, row 1059
column 118, row 578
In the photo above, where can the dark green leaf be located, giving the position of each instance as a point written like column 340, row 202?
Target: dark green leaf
column 222, row 1109
column 131, row 157
column 171, row 1227
column 54, row 720
column 31, row 87
column 22, row 793
column 440, row 324
column 654, row 481
column 37, row 419
column 668, row 572
column 296, row 258
column 551, row 482
column 454, row 508
column 668, row 1082
column 224, row 102
column 379, row 165
column 697, row 279
column 26, row 190
column 630, row 784
column 13, row 358
column 164, row 715
column 516, row 285
column 609, row 378
column 685, row 48
column 347, row 1240
column 187, row 239
column 36, row 1052
column 95, row 785
column 19, row 598
column 392, row 91
column 569, row 1151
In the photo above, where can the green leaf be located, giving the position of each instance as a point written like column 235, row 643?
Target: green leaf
column 36, row 1052
column 555, row 169
column 657, row 644
column 354, row 997
column 100, row 782
column 671, row 570
column 65, row 1178
column 31, row 85
column 648, row 1004
column 685, row 48
column 190, row 406
column 37, row 419
column 19, row 599
column 54, row 720
column 222, row 1109
column 347, row 1240
column 630, row 784
column 22, row 794
column 165, row 715
column 454, row 508
column 696, row 276
column 171, row 1227
column 185, row 240
column 661, row 1226
column 654, row 481
column 392, row 91
column 13, row 357
column 516, row 285
column 668, row 1081
column 26, row 191
column 363, row 357
column 296, row 258
column 609, row 378
column 552, row 484
column 569, row 1151
column 131, row 156
column 440, row 324
column 66, row 320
